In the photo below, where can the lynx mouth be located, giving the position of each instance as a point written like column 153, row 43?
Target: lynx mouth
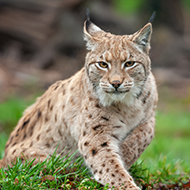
column 118, row 92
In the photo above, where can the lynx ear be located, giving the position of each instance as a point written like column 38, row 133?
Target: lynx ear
column 143, row 36
column 90, row 31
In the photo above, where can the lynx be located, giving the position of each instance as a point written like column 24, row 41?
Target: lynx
column 106, row 111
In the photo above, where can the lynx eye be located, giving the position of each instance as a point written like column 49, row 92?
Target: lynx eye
column 103, row 64
column 129, row 64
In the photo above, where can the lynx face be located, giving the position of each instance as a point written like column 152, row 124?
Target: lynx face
column 117, row 66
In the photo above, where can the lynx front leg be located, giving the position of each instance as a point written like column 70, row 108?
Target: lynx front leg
column 100, row 152
column 136, row 142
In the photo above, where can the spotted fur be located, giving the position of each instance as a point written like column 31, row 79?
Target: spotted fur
column 105, row 113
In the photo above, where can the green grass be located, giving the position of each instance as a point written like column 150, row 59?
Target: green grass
column 60, row 173
column 165, row 161
column 54, row 173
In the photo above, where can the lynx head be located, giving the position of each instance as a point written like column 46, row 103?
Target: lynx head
column 117, row 66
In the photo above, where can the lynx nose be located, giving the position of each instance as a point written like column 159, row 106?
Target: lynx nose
column 116, row 83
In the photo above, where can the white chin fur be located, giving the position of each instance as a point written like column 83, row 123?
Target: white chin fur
column 107, row 99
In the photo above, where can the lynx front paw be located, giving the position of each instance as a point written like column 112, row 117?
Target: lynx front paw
column 128, row 186
column 131, row 188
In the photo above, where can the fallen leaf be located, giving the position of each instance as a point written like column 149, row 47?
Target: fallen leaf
column 16, row 181
column 48, row 177
column 186, row 184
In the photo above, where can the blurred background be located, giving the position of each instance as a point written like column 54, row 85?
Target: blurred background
column 41, row 41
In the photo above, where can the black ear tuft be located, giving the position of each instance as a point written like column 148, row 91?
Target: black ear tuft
column 88, row 22
column 88, row 14
column 152, row 17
